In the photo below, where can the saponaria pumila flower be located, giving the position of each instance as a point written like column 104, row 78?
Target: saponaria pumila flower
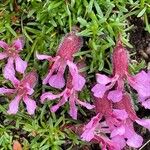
column 115, row 107
column 69, row 45
column 125, row 130
column 11, row 52
column 115, row 85
column 116, row 120
column 70, row 93
column 22, row 90
column 96, row 131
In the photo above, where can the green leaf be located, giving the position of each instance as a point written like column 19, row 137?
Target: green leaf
column 82, row 21
column 98, row 9
column 141, row 13
column 11, row 30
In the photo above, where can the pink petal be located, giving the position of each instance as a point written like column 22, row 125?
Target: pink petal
column 78, row 81
column 30, row 90
column 42, row 57
column 9, row 68
column 144, row 122
column 118, row 131
column 115, row 95
column 135, row 141
column 139, row 77
column 20, row 65
column 121, row 143
column 13, row 106
column 46, row 79
column 120, row 114
column 3, row 45
column 94, row 122
column 30, row 104
column 89, row 129
column 30, row 79
column 102, row 79
column 87, row 135
column 140, row 83
column 85, row 104
column 73, row 108
column 9, row 72
column 99, row 90
column 57, row 64
column 50, row 96
column 18, row 44
column 60, row 103
column 3, row 55
column 57, row 81
column 4, row 90
column 146, row 104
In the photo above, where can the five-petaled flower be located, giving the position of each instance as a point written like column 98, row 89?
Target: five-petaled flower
column 139, row 82
column 12, row 53
column 22, row 89
column 70, row 93
column 70, row 44
column 117, row 121
column 97, row 132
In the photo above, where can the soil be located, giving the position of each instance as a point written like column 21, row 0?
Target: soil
column 140, row 39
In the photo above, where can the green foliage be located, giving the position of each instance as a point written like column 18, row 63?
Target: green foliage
column 40, row 132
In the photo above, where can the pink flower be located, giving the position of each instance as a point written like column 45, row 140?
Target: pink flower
column 96, row 131
column 75, row 83
column 69, row 94
column 22, row 90
column 140, row 82
column 125, row 130
column 125, row 134
column 118, row 119
column 90, row 128
column 12, row 53
column 69, row 45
